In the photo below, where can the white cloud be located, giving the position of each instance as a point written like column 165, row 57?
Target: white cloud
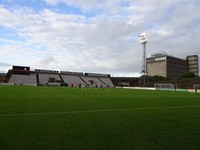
column 106, row 42
column 4, row 67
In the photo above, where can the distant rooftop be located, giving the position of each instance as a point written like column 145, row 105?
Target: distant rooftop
column 159, row 54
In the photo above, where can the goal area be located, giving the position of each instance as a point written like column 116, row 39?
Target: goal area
column 164, row 86
column 196, row 88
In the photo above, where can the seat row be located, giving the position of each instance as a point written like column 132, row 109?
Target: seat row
column 70, row 80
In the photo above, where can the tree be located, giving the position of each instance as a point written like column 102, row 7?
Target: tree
column 189, row 75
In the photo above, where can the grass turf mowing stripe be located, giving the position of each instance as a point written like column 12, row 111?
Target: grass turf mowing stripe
column 100, row 110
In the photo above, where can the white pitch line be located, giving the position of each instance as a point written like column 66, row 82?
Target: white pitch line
column 97, row 110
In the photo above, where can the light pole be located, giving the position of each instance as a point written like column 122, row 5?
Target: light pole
column 143, row 41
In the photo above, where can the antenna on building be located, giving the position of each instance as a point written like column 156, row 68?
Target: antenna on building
column 143, row 41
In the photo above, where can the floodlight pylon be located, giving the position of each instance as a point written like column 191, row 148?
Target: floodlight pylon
column 143, row 41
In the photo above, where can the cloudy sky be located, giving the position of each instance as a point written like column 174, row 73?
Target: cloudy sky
column 99, row 36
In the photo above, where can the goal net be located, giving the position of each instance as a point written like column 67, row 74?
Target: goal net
column 196, row 88
column 164, row 86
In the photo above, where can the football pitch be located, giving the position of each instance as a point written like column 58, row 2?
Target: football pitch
column 61, row 118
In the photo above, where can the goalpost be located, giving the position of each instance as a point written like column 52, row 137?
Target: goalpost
column 164, row 86
column 196, row 88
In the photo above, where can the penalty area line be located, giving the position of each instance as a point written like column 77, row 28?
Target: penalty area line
column 97, row 110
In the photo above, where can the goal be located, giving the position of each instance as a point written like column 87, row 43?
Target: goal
column 196, row 88
column 164, row 86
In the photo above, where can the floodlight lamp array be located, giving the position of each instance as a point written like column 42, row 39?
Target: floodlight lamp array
column 142, row 38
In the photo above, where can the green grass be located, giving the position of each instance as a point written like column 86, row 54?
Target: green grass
column 28, row 119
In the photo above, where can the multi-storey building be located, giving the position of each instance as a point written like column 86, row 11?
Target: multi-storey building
column 171, row 67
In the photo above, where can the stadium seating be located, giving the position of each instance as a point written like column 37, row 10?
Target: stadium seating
column 107, row 81
column 73, row 80
column 21, row 75
column 18, row 79
column 93, row 81
column 44, row 78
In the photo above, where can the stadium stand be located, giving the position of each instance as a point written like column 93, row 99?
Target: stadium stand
column 125, row 81
column 107, row 81
column 72, row 73
column 93, row 81
column 46, row 71
column 19, row 79
column 7, row 76
column 73, row 80
column 21, row 75
column 21, row 70
column 2, row 77
column 98, row 80
column 45, row 79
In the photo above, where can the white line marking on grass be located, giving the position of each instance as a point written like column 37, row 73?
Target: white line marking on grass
column 97, row 110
